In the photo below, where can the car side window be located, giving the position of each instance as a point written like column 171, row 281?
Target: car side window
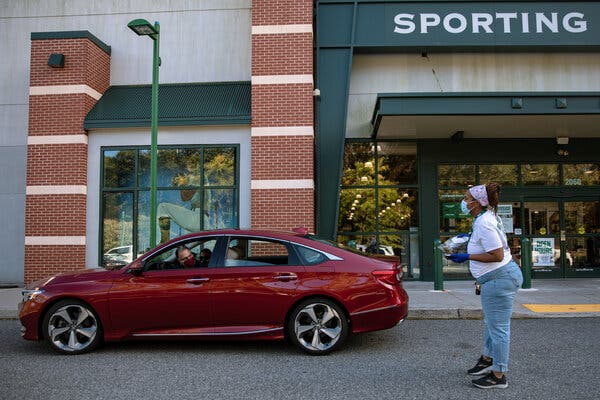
column 200, row 249
column 253, row 252
column 310, row 256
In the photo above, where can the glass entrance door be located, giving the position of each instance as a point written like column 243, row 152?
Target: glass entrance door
column 564, row 237
column 542, row 226
column 582, row 238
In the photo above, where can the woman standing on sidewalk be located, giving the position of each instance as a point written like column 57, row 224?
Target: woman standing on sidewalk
column 491, row 264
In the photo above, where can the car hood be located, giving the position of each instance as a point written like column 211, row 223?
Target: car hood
column 92, row 274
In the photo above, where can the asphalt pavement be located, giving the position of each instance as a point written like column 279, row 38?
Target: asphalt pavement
column 551, row 358
column 577, row 298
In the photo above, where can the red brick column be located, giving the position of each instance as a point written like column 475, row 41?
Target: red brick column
column 282, row 114
column 59, row 99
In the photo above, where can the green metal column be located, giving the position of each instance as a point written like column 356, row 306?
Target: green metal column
column 429, row 217
column 526, row 262
column 335, row 23
column 438, row 267
column 333, row 82
column 154, row 134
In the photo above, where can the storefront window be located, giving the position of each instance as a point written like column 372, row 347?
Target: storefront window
column 582, row 217
column 540, row 174
column 379, row 200
column 504, row 174
column 359, row 164
column 117, row 226
column 397, row 163
column 197, row 189
column 581, row 174
column 119, row 168
column 457, row 175
column 219, row 166
column 357, row 210
column 542, row 218
column 583, row 253
column 451, row 217
column 398, row 209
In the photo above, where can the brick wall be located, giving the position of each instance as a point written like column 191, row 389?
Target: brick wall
column 60, row 98
column 282, row 114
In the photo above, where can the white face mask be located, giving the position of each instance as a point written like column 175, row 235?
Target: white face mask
column 464, row 208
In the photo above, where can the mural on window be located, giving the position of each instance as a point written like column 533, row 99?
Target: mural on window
column 378, row 199
column 196, row 190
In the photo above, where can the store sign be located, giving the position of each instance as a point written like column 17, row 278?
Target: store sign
column 476, row 24
column 505, row 213
column 542, row 252
column 485, row 22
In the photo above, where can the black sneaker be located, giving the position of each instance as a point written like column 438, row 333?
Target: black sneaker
column 482, row 367
column 491, row 382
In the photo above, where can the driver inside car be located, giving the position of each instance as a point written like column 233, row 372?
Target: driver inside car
column 186, row 258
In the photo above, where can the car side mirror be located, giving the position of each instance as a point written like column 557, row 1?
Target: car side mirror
column 136, row 271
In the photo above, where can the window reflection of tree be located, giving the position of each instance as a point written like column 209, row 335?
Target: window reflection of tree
column 504, row 174
column 395, row 209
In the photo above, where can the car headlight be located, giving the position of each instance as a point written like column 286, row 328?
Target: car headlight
column 31, row 294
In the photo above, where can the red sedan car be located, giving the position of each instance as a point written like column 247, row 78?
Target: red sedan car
column 221, row 284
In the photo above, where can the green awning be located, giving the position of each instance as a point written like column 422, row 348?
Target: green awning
column 498, row 114
column 214, row 103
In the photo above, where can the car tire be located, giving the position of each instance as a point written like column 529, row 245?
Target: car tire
column 72, row 327
column 318, row 326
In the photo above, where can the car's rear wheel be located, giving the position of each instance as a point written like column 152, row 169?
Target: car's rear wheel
column 72, row 327
column 318, row 326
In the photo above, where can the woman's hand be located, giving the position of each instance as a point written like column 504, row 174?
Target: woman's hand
column 458, row 257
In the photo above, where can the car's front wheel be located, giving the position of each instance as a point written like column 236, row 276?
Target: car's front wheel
column 72, row 327
column 318, row 326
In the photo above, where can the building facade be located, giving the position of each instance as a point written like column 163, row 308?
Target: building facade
column 360, row 120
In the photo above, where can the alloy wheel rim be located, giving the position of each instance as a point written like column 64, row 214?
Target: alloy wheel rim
column 318, row 326
column 72, row 328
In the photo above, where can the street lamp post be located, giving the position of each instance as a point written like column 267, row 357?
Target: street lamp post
column 144, row 28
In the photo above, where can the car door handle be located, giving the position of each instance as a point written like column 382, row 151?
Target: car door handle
column 197, row 281
column 289, row 276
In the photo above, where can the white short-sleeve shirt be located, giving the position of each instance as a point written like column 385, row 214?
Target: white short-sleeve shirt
column 488, row 234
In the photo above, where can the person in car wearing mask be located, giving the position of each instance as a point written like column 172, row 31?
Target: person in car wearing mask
column 499, row 277
column 186, row 258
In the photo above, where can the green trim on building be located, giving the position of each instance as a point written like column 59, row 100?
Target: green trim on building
column 71, row 35
column 220, row 103
column 546, row 103
column 450, row 26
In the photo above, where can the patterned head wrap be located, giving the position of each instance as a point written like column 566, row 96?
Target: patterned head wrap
column 479, row 193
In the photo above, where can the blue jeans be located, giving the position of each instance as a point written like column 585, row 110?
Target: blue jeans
column 498, row 289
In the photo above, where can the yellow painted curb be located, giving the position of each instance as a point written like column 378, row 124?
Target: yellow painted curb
column 563, row 308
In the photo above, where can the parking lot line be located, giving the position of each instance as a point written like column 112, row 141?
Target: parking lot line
column 563, row 308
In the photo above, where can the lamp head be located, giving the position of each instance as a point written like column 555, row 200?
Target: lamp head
column 143, row 28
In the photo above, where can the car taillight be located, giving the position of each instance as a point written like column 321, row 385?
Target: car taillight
column 389, row 276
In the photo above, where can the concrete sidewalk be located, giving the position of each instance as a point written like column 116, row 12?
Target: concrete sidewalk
column 457, row 301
